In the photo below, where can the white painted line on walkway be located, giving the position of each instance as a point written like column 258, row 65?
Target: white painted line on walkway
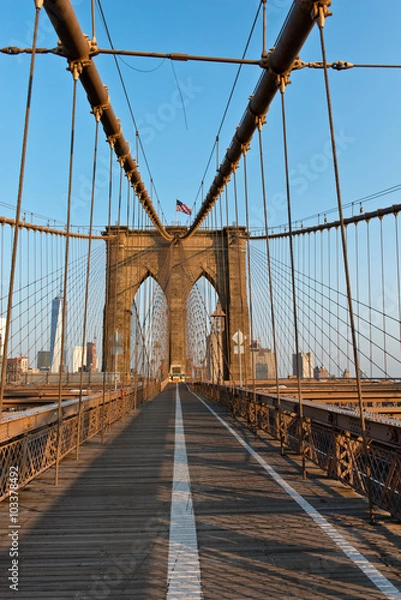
column 379, row 580
column 184, row 577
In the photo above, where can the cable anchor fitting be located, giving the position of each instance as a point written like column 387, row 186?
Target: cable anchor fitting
column 234, row 166
column 93, row 47
column 264, row 62
column 121, row 159
column 320, row 11
column 77, row 66
column 99, row 110
column 129, row 174
column 298, row 64
column 260, row 121
column 283, row 80
column 112, row 139
column 245, row 148
column 341, row 65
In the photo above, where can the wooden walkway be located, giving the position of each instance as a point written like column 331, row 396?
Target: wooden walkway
column 104, row 532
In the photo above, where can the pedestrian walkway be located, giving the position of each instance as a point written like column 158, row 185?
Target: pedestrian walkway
column 183, row 502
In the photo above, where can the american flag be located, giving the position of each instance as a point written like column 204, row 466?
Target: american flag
column 181, row 207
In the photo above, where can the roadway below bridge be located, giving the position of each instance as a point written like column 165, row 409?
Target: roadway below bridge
column 183, row 502
column 380, row 397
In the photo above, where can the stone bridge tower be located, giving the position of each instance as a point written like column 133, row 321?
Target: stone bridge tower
column 134, row 255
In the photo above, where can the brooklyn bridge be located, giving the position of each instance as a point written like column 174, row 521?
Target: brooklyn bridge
column 200, row 273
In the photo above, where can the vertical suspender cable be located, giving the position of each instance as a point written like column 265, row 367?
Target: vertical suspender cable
column 338, row 296
column 368, row 255
column 19, row 286
column 88, row 272
column 269, row 272
column 264, row 46
column 120, row 194
column 106, row 300
column 243, row 376
column 75, row 73
column 293, row 284
column 128, row 305
column 28, row 266
column 230, row 374
column 253, row 369
column 329, row 284
column 398, row 272
column 93, row 15
column 383, row 297
column 134, row 307
column 322, row 270
column 321, row 15
column 38, row 6
column 357, row 281
column 309, row 291
column 224, row 285
column 131, row 276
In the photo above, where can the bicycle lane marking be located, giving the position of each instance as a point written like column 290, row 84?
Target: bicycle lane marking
column 184, row 576
column 377, row 578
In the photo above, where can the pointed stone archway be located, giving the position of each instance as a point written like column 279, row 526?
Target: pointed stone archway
column 133, row 255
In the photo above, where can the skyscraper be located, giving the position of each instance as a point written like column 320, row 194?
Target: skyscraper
column 306, row 365
column 55, row 334
column 92, row 363
column 43, row 360
column 77, row 359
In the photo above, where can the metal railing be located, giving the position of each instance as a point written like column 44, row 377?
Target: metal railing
column 28, row 440
column 332, row 440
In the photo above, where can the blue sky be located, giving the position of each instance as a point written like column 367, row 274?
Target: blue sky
column 177, row 145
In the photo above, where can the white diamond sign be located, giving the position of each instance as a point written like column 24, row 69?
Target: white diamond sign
column 239, row 337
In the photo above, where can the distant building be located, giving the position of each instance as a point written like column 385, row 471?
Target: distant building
column 43, row 360
column 264, row 362
column 55, row 334
column 77, row 355
column 17, row 367
column 92, row 361
column 321, row 373
column 306, row 365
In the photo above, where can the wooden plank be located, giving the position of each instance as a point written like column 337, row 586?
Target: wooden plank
column 254, row 541
column 104, row 531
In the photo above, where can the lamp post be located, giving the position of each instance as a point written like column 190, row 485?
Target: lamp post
column 157, row 349
column 217, row 328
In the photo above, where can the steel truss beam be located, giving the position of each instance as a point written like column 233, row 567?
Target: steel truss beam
column 77, row 48
column 279, row 61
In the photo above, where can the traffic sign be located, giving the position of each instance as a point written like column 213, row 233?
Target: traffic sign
column 239, row 350
column 239, row 337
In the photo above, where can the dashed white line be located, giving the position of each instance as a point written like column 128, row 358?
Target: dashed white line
column 377, row 578
column 184, row 577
